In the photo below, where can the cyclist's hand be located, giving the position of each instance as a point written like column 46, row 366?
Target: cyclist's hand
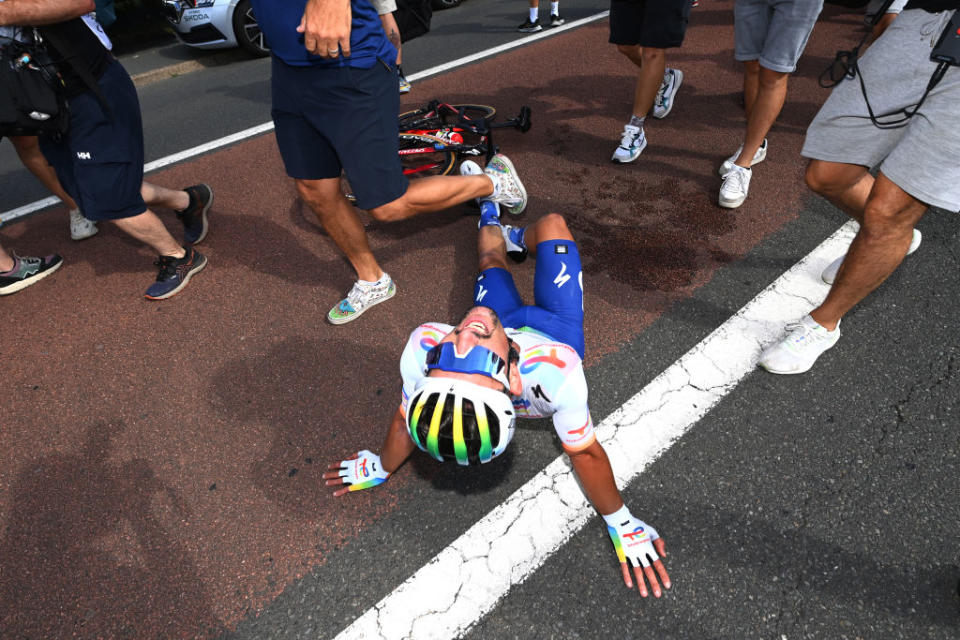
column 325, row 26
column 360, row 471
column 638, row 544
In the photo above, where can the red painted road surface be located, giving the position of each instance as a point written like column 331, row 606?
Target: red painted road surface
column 162, row 461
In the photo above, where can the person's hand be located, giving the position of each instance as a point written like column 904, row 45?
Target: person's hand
column 638, row 543
column 362, row 470
column 325, row 26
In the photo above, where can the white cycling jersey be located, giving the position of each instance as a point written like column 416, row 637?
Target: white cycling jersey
column 551, row 373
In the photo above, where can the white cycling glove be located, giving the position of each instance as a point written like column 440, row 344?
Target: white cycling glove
column 363, row 472
column 632, row 538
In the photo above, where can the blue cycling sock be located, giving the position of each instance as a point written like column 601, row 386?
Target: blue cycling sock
column 489, row 213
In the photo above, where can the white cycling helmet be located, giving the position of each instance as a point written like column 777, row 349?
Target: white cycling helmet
column 453, row 419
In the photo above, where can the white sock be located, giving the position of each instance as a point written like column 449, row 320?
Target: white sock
column 496, row 187
column 382, row 280
column 534, row 13
column 554, row 8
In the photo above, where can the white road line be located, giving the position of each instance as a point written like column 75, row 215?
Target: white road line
column 27, row 209
column 467, row 579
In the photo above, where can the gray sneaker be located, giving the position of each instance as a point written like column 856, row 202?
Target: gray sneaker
column 80, row 227
column 361, row 298
column 507, row 188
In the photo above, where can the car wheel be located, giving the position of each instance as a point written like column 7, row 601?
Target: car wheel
column 247, row 30
column 445, row 4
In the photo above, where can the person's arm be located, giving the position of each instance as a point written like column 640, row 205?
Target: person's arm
column 365, row 469
column 41, row 12
column 596, row 477
column 325, row 26
column 886, row 19
column 633, row 540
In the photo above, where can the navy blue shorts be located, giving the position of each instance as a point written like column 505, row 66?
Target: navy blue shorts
column 328, row 119
column 100, row 161
column 557, row 295
column 660, row 24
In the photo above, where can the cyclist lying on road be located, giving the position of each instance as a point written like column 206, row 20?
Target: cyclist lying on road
column 463, row 386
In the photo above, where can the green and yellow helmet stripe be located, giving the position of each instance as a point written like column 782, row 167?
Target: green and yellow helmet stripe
column 433, row 440
column 486, row 449
column 459, row 444
column 415, row 419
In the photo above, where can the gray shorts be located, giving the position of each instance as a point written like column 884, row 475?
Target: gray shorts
column 920, row 158
column 384, row 6
column 773, row 31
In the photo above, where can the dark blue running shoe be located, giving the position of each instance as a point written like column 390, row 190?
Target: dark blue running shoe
column 194, row 217
column 175, row 273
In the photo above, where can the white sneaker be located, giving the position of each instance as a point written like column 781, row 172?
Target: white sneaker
column 663, row 103
column 470, row 168
column 799, row 349
column 758, row 157
column 830, row 273
column 507, row 188
column 361, row 297
column 633, row 142
column 80, row 227
column 735, row 187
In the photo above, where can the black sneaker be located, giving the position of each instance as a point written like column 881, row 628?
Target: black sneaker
column 194, row 217
column 175, row 273
column 530, row 27
column 26, row 271
column 556, row 20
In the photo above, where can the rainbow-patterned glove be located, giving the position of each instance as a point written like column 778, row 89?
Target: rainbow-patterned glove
column 632, row 538
column 363, row 471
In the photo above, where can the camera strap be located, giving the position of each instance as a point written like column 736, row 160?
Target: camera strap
column 848, row 62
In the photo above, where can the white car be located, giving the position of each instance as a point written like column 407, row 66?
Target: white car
column 216, row 24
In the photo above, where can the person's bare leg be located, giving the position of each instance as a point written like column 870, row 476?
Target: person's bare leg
column 771, row 94
column 342, row 222
column 433, row 193
column 654, row 63
column 751, row 81
column 492, row 249
column 155, row 195
column 147, row 228
column 632, row 52
column 552, row 226
column 879, row 247
column 6, row 260
column 28, row 149
column 846, row 186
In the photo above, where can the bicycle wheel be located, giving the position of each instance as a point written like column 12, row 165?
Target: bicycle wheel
column 425, row 119
column 420, row 156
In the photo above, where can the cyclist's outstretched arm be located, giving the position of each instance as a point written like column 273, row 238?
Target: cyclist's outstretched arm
column 635, row 542
column 365, row 469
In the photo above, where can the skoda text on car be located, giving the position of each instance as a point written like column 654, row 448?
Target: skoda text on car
column 216, row 24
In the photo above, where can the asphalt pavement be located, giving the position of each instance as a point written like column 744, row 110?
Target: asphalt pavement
column 162, row 467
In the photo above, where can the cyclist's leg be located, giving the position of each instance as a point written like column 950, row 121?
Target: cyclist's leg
column 550, row 227
column 558, row 282
column 494, row 287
